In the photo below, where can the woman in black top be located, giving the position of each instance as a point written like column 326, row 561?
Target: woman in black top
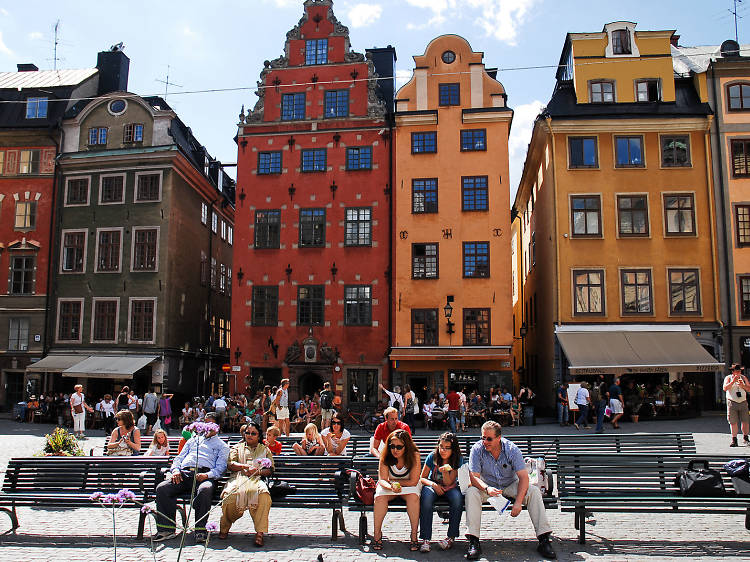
column 122, row 399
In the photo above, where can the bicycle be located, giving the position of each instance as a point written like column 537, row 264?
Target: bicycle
column 362, row 418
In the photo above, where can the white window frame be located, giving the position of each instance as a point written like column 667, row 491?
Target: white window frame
column 223, row 230
column 132, row 248
column 96, row 251
column 214, row 222
column 230, row 235
column 68, row 179
column 130, row 318
column 80, row 321
column 160, row 173
column 85, row 232
column 204, row 213
column 93, row 319
column 101, row 188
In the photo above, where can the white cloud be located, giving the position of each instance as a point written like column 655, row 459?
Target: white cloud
column 3, row 47
column 187, row 31
column 4, row 12
column 402, row 77
column 35, row 35
column 362, row 15
column 520, row 136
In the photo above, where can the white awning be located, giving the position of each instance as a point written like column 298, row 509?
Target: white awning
column 55, row 363
column 108, row 366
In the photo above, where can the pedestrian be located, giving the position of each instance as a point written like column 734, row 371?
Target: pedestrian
column 410, row 399
column 561, row 398
column 78, row 408
column 150, row 409
column 615, row 403
column 108, row 413
column 454, row 408
column 602, row 401
column 326, row 406
column 737, row 386
column 165, row 411
column 582, row 401
column 282, row 410
column 395, row 400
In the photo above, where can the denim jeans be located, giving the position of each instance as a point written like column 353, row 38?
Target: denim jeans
column 427, row 502
column 600, row 407
column 453, row 419
column 562, row 413
column 583, row 419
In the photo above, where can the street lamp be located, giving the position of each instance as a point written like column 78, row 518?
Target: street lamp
column 448, row 311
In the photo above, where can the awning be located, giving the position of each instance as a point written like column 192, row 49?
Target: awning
column 476, row 353
column 617, row 349
column 54, row 363
column 108, row 366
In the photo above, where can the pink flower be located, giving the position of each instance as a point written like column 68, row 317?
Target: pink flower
column 95, row 496
column 146, row 509
column 264, row 462
column 212, row 527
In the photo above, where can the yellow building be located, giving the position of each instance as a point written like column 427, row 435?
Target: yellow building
column 615, row 215
column 452, row 288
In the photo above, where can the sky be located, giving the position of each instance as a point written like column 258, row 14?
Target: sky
column 220, row 45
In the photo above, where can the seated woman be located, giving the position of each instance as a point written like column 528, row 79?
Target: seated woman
column 126, row 437
column 187, row 414
column 399, row 477
column 249, row 461
column 335, row 437
column 160, row 445
column 440, row 479
column 515, row 412
column 312, row 444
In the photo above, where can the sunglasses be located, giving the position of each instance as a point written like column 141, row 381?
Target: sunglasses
column 395, row 447
column 252, row 433
column 488, row 439
column 336, row 422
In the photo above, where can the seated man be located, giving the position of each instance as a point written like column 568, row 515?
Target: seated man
column 382, row 432
column 203, row 458
column 496, row 468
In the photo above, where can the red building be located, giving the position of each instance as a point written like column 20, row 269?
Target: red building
column 313, row 216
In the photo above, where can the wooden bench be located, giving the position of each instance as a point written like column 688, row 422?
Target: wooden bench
column 68, row 482
column 638, row 483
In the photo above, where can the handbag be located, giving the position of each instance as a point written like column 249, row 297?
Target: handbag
column 280, row 488
column 364, row 488
column 78, row 408
column 704, row 482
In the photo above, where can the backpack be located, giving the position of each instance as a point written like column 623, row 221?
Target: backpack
column 326, row 400
column 594, row 394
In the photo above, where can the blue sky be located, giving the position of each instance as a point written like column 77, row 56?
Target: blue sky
column 222, row 44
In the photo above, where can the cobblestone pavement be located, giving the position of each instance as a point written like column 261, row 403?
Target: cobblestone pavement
column 86, row 534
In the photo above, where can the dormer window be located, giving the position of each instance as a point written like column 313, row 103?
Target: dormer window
column 36, row 108
column 621, row 42
column 647, row 90
column 316, row 51
column 97, row 136
column 132, row 132
column 602, row 91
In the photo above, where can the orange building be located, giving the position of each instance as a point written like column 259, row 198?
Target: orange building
column 452, row 293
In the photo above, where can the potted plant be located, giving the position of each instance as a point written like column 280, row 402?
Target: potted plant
column 62, row 444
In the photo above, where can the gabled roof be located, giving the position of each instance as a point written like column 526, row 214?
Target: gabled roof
column 45, row 78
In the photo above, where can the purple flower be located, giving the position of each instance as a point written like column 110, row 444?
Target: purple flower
column 95, row 496
column 212, row 527
column 146, row 509
column 125, row 495
column 108, row 499
column 264, row 462
column 202, row 428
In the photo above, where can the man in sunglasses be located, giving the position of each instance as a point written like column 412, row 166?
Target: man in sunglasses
column 496, row 468
column 736, row 387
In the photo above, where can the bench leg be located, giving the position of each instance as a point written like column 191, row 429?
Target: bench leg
column 362, row 528
column 747, row 519
column 575, row 520
column 13, row 517
column 141, row 525
column 342, row 523
column 582, row 526
column 334, row 526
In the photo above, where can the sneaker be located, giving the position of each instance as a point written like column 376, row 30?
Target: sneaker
column 200, row 536
column 425, row 546
column 734, row 442
column 586, row 427
column 446, row 543
column 163, row 536
column 747, row 440
column 576, row 426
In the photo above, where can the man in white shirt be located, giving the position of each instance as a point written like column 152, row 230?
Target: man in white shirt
column 583, row 399
column 395, row 400
column 736, row 387
column 220, row 407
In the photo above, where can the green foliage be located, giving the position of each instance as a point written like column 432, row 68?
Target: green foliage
column 61, row 442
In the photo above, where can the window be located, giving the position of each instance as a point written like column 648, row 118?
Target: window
column 336, row 103
column 112, row 189
column 29, row 162
column 73, row 252
column 229, row 281
column 636, row 291
column 316, row 51
column 265, row 306
column 148, row 187
column 741, row 158
column 424, row 195
column 739, row 96
column 602, row 91
column 476, row 326
column 77, row 191
column 312, row 227
column 142, row 320
column 108, row 251
column 267, row 229
column 358, row 305
column 97, row 136
column 230, row 235
column 269, row 163
column 621, row 42
column 424, row 261
column 223, row 230
column 69, row 320
column 632, row 215
column 214, row 223
column 2, row 162
column 586, row 212
column 204, row 269
column 675, row 151
column 424, row 326
column 292, row 106
column 742, row 223
column 588, row 292
column 684, row 291
column 105, row 320
column 36, row 108
column 647, row 90
column 145, row 244
column 204, row 213
column 745, row 296
column 314, row 160
column 310, row 300
column 358, row 227
column 18, row 337
column 423, row 143
column 583, row 152
column 476, row 259
column 25, row 215
column 222, row 278
column 474, row 194
column 629, row 152
column 679, row 214
column 450, row 94
column 132, row 132
column 473, row 139
column 22, row 275
column 359, row 158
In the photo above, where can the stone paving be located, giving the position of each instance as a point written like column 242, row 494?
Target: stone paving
column 86, row 534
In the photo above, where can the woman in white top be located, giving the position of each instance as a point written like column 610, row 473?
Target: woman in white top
column 108, row 413
column 78, row 408
column 187, row 414
column 335, row 437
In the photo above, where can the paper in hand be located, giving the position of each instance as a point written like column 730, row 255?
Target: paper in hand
column 499, row 503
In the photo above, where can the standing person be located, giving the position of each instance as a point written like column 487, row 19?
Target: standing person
column 150, row 409
column 384, row 429
column 395, row 400
column 496, row 468
column 282, row 411
column 266, row 408
column 737, row 386
column 108, row 413
column 583, row 399
column 409, row 400
column 601, row 403
column 615, row 403
column 561, row 398
column 78, row 408
column 123, row 399
column 326, row 406
column 165, row 411
column 463, row 407
column 133, row 403
column 220, row 408
column 454, row 408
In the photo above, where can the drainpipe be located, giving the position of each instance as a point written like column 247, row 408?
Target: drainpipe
column 556, row 321
column 391, row 262
column 53, row 256
column 209, row 309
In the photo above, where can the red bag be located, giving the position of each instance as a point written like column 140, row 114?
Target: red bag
column 365, row 488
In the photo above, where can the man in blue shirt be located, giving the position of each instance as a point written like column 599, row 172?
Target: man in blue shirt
column 496, row 468
column 203, row 458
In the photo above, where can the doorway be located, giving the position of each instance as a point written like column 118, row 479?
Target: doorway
column 309, row 384
column 14, row 389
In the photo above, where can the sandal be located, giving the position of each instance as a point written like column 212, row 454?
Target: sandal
column 258, row 539
column 222, row 536
column 414, row 546
column 377, row 544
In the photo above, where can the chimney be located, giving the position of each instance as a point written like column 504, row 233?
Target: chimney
column 675, row 40
column 113, row 67
column 27, row 67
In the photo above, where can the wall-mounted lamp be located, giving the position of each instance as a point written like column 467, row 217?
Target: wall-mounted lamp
column 448, row 311
column 288, row 272
column 292, row 191
column 334, row 187
column 291, row 142
column 336, row 139
column 334, row 271
column 240, row 275
column 242, row 196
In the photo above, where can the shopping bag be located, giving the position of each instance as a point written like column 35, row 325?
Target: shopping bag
column 142, row 421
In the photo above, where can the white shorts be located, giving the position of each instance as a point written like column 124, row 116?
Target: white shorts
column 615, row 405
column 282, row 413
column 326, row 415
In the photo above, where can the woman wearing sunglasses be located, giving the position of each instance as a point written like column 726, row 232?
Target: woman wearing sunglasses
column 336, row 437
column 399, row 477
column 249, row 461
